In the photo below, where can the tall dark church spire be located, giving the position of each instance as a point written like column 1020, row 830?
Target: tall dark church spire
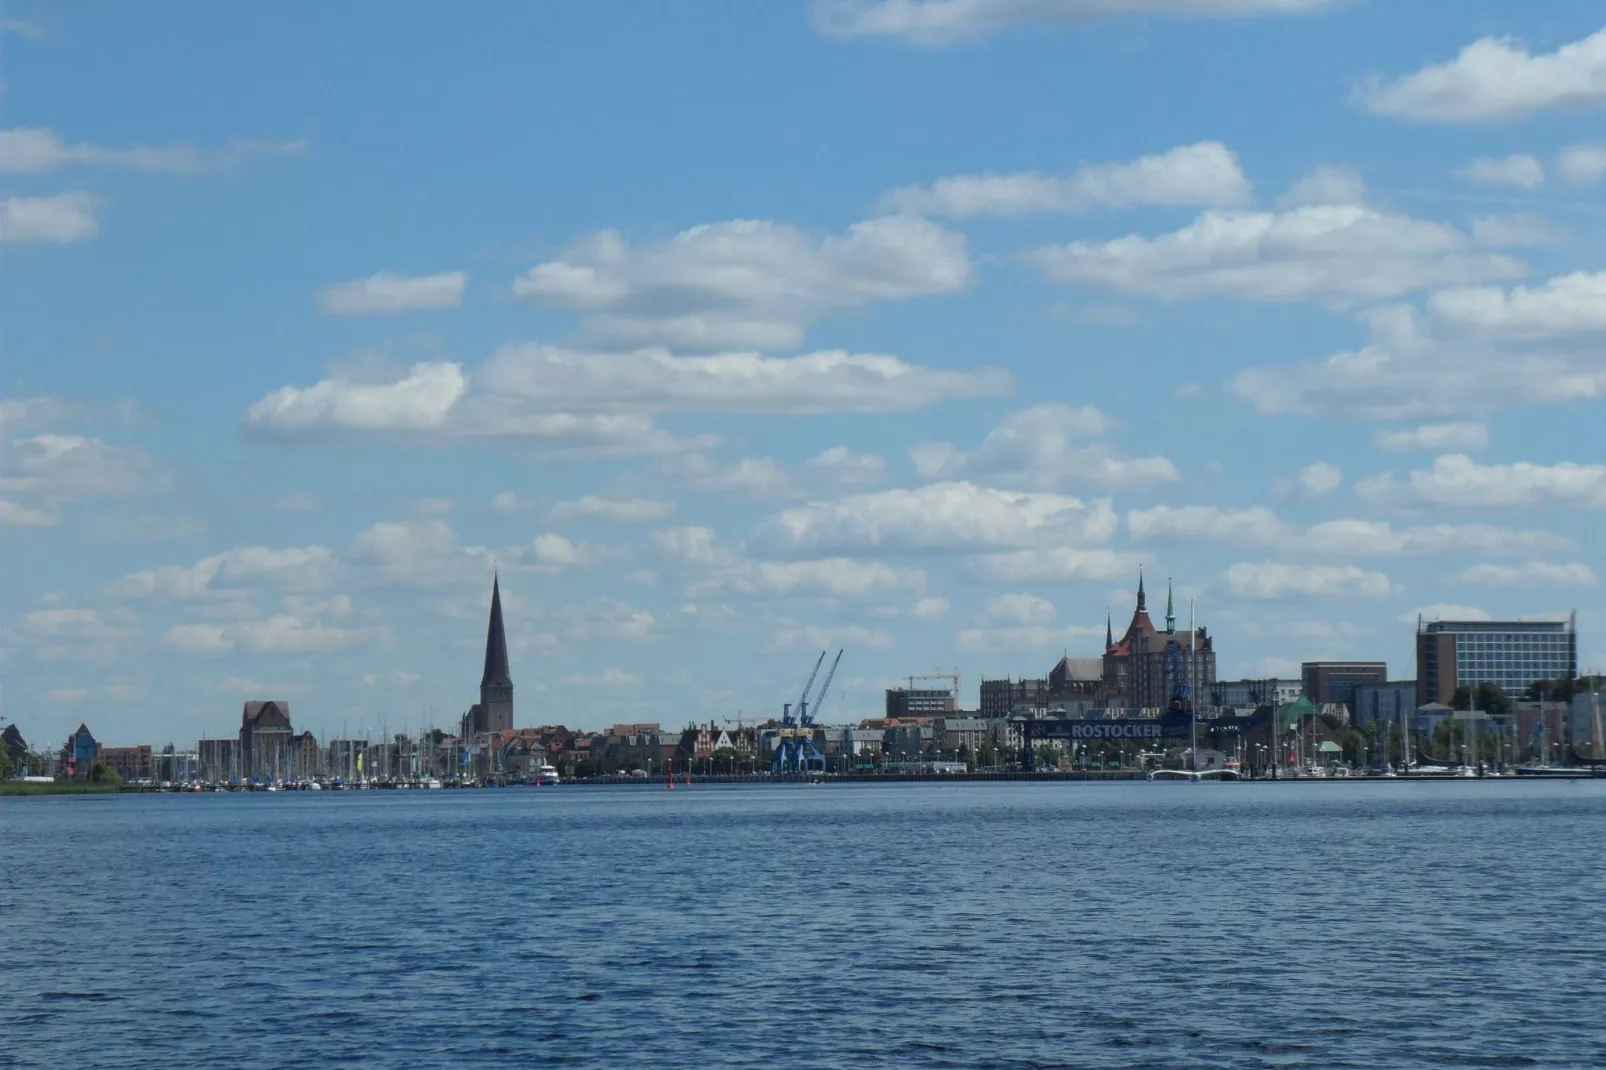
column 1143, row 601
column 1170, row 611
column 1109, row 631
column 496, row 672
column 494, row 711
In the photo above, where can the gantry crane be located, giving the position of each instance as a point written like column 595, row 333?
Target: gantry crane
column 786, row 741
column 809, row 757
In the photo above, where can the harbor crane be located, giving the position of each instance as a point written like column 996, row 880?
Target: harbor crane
column 795, row 751
column 809, row 757
column 786, row 739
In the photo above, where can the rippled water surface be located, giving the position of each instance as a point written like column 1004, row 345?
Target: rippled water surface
column 974, row 925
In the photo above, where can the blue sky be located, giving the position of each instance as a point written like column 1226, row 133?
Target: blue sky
column 733, row 331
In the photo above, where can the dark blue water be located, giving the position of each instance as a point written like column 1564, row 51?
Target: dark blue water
column 964, row 925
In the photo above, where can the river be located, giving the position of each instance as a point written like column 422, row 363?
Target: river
column 943, row 925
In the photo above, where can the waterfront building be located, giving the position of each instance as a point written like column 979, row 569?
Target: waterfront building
column 1241, row 694
column 265, row 740
column 1393, row 702
column 1146, row 665
column 1000, row 698
column 919, row 702
column 494, row 711
column 80, row 753
column 306, row 757
column 1511, row 654
column 16, row 747
column 130, row 763
column 964, row 731
column 1334, row 682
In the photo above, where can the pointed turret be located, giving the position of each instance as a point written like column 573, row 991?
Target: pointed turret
column 1109, row 630
column 1170, row 611
column 1143, row 601
column 496, row 671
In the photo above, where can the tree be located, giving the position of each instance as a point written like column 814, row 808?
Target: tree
column 5, row 765
column 101, row 773
column 1493, row 700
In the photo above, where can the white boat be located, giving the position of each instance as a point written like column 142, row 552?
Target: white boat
column 545, row 775
column 1172, row 774
column 432, row 783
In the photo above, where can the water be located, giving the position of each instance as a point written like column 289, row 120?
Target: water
column 961, row 925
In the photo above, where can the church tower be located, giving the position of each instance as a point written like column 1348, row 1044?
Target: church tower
column 496, row 685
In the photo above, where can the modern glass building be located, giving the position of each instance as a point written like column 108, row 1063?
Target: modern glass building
column 1510, row 653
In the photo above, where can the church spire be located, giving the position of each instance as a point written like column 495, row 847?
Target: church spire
column 1170, row 612
column 1143, row 601
column 496, row 671
column 1109, row 630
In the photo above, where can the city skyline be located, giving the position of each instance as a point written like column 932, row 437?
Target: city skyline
column 292, row 372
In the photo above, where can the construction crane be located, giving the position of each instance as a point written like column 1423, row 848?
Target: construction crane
column 808, row 757
column 786, row 742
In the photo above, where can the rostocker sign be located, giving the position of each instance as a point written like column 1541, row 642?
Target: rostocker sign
column 1132, row 728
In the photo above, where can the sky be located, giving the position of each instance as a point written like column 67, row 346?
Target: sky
column 728, row 333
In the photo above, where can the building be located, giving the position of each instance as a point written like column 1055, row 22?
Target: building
column 265, row 735
column 80, row 753
column 1150, row 668
column 1511, row 654
column 494, row 711
column 1334, row 682
column 1000, row 698
column 1393, row 702
column 16, row 747
column 1241, row 694
column 965, row 731
column 919, row 702
column 130, row 763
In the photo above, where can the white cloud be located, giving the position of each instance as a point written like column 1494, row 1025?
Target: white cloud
column 745, row 283
column 1583, row 165
column 61, row 468
column 36, row 150
column 940, row 22
column 65, row 623
column 608, row 678
column 1318, row 480
column 936, row 517
column 509, row 502
column 63, row 219
column 1532, row 574
column 554, row 552
column 1341, row 254
column 1031, row 636
column 1370, row 538
column 1519, row 170
column 655, row 380
column 1258, row 526
column 1038, row 447
column 1202, row 175
column 419, row 401
column 750, row 478
column 1495, row 79
column 839, row 468
column 695, row 545
column 272, row 635
column 1443, row 611
column 1325, row 184
column 389, row 292
column 418, row 551
column 591, row 509
column 67, row 694
column 1513, row 230
column 1060, row 564
column 301, row 568
column 603, row 620
column 17, row 515
column 1018, row 609
column 834, row 575
column 1275, row 580
column 1431, row 438
column 1565, row 304
column 813, row 637
column 930, row 609
column 1456, row 480
column 1449, row 364
column 1254, row 526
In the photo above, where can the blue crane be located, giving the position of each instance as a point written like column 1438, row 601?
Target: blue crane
column 807, row 756
column 786, row 744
